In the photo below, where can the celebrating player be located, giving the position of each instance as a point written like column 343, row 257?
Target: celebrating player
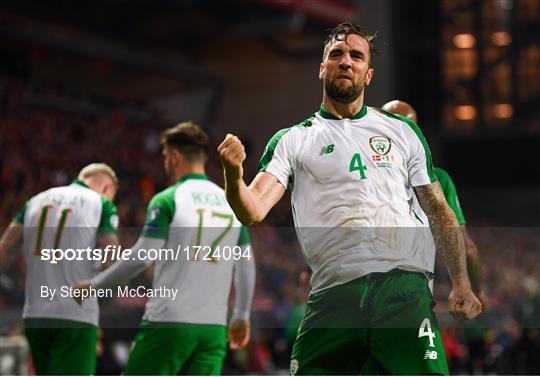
column 450, row 193
column 188, row 334
column 62, row 335
column 353, row 172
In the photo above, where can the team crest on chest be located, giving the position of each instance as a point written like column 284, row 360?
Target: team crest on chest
column 381, row 145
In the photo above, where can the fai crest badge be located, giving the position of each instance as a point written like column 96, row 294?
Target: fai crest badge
column 153, row 214
column 380, row 145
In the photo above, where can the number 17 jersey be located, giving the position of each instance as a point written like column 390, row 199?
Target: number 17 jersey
column 204, row 238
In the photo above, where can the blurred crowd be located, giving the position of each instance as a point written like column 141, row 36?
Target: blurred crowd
column 42, row 147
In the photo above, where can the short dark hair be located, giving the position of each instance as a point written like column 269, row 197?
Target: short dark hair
column 189, row 139
column 344, row 29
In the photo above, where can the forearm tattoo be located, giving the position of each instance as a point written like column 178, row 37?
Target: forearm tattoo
column 444, row 227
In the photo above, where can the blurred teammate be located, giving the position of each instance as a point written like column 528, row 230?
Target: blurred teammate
column 62, row 335
column 450, row 193
column 353, row 172
column 188, row 335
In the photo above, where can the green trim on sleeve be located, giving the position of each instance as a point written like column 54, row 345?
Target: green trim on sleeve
column 108, row 223
column 19, row 218
column 268, row 153
column 269, row 150
column 160, row 213
column 429, row 162
column 244, row 238
column 450, row 193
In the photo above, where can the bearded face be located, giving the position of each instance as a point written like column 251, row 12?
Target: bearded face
column 345, row 69
column 343, row 93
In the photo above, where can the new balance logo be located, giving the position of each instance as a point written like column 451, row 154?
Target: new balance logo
column 327, row 150
column 432, row 355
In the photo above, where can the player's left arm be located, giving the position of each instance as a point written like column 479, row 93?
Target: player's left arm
column 244, row 284
column 108, row 228
column 123, row 269
column 449, row 242
column 12, row 236
column 154, row 236
column 474, row 268
column 105, row 240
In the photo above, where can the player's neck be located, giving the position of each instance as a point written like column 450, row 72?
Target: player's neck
column 190, row 169
column 341, row 110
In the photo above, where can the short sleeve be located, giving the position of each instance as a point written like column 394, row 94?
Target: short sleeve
column 108, row 223
column 159, row 215
column 19, row 218
column 276, row 158
column 419, row 163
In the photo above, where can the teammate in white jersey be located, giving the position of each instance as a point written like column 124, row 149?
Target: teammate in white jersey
column 187, row 334
column 63, row 335
column 353, row 172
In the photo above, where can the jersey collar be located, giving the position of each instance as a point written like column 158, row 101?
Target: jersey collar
column 193, row 176
column 326, row 115
column 79, row 182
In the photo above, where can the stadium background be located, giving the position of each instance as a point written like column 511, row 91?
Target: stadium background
column 97, row 81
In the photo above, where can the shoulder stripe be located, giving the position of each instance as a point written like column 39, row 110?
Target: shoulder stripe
column 429, row 162
column 243, row 237
column 160, row 213
column 268, row 153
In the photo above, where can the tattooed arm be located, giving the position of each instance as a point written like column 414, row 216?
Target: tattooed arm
column 474, row 268
column 449, row 241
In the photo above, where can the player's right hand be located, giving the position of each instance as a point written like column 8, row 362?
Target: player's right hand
column 239, row 333
column 232, row 154
column 462, row 303
column 83, row 286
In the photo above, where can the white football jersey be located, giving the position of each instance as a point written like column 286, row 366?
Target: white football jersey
column 68, row 217
column 352, row 193
column 194, row 215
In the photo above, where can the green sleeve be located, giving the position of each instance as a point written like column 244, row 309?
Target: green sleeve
column 109, row 217
column 450, row 193
column 244, row 238
column 159, row 215
column 268, row 153
column 19, row 218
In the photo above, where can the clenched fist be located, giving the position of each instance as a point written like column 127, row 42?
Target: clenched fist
column 462, row 303
column 232, row 154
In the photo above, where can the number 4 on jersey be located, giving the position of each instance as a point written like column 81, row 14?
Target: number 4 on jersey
column 425, row 330
column 356, row 164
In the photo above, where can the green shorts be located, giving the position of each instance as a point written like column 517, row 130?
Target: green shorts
column 177, row 348
column 61, row 347
column 385, row 317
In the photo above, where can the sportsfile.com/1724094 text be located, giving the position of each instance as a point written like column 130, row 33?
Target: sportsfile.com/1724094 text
column 113, row 253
